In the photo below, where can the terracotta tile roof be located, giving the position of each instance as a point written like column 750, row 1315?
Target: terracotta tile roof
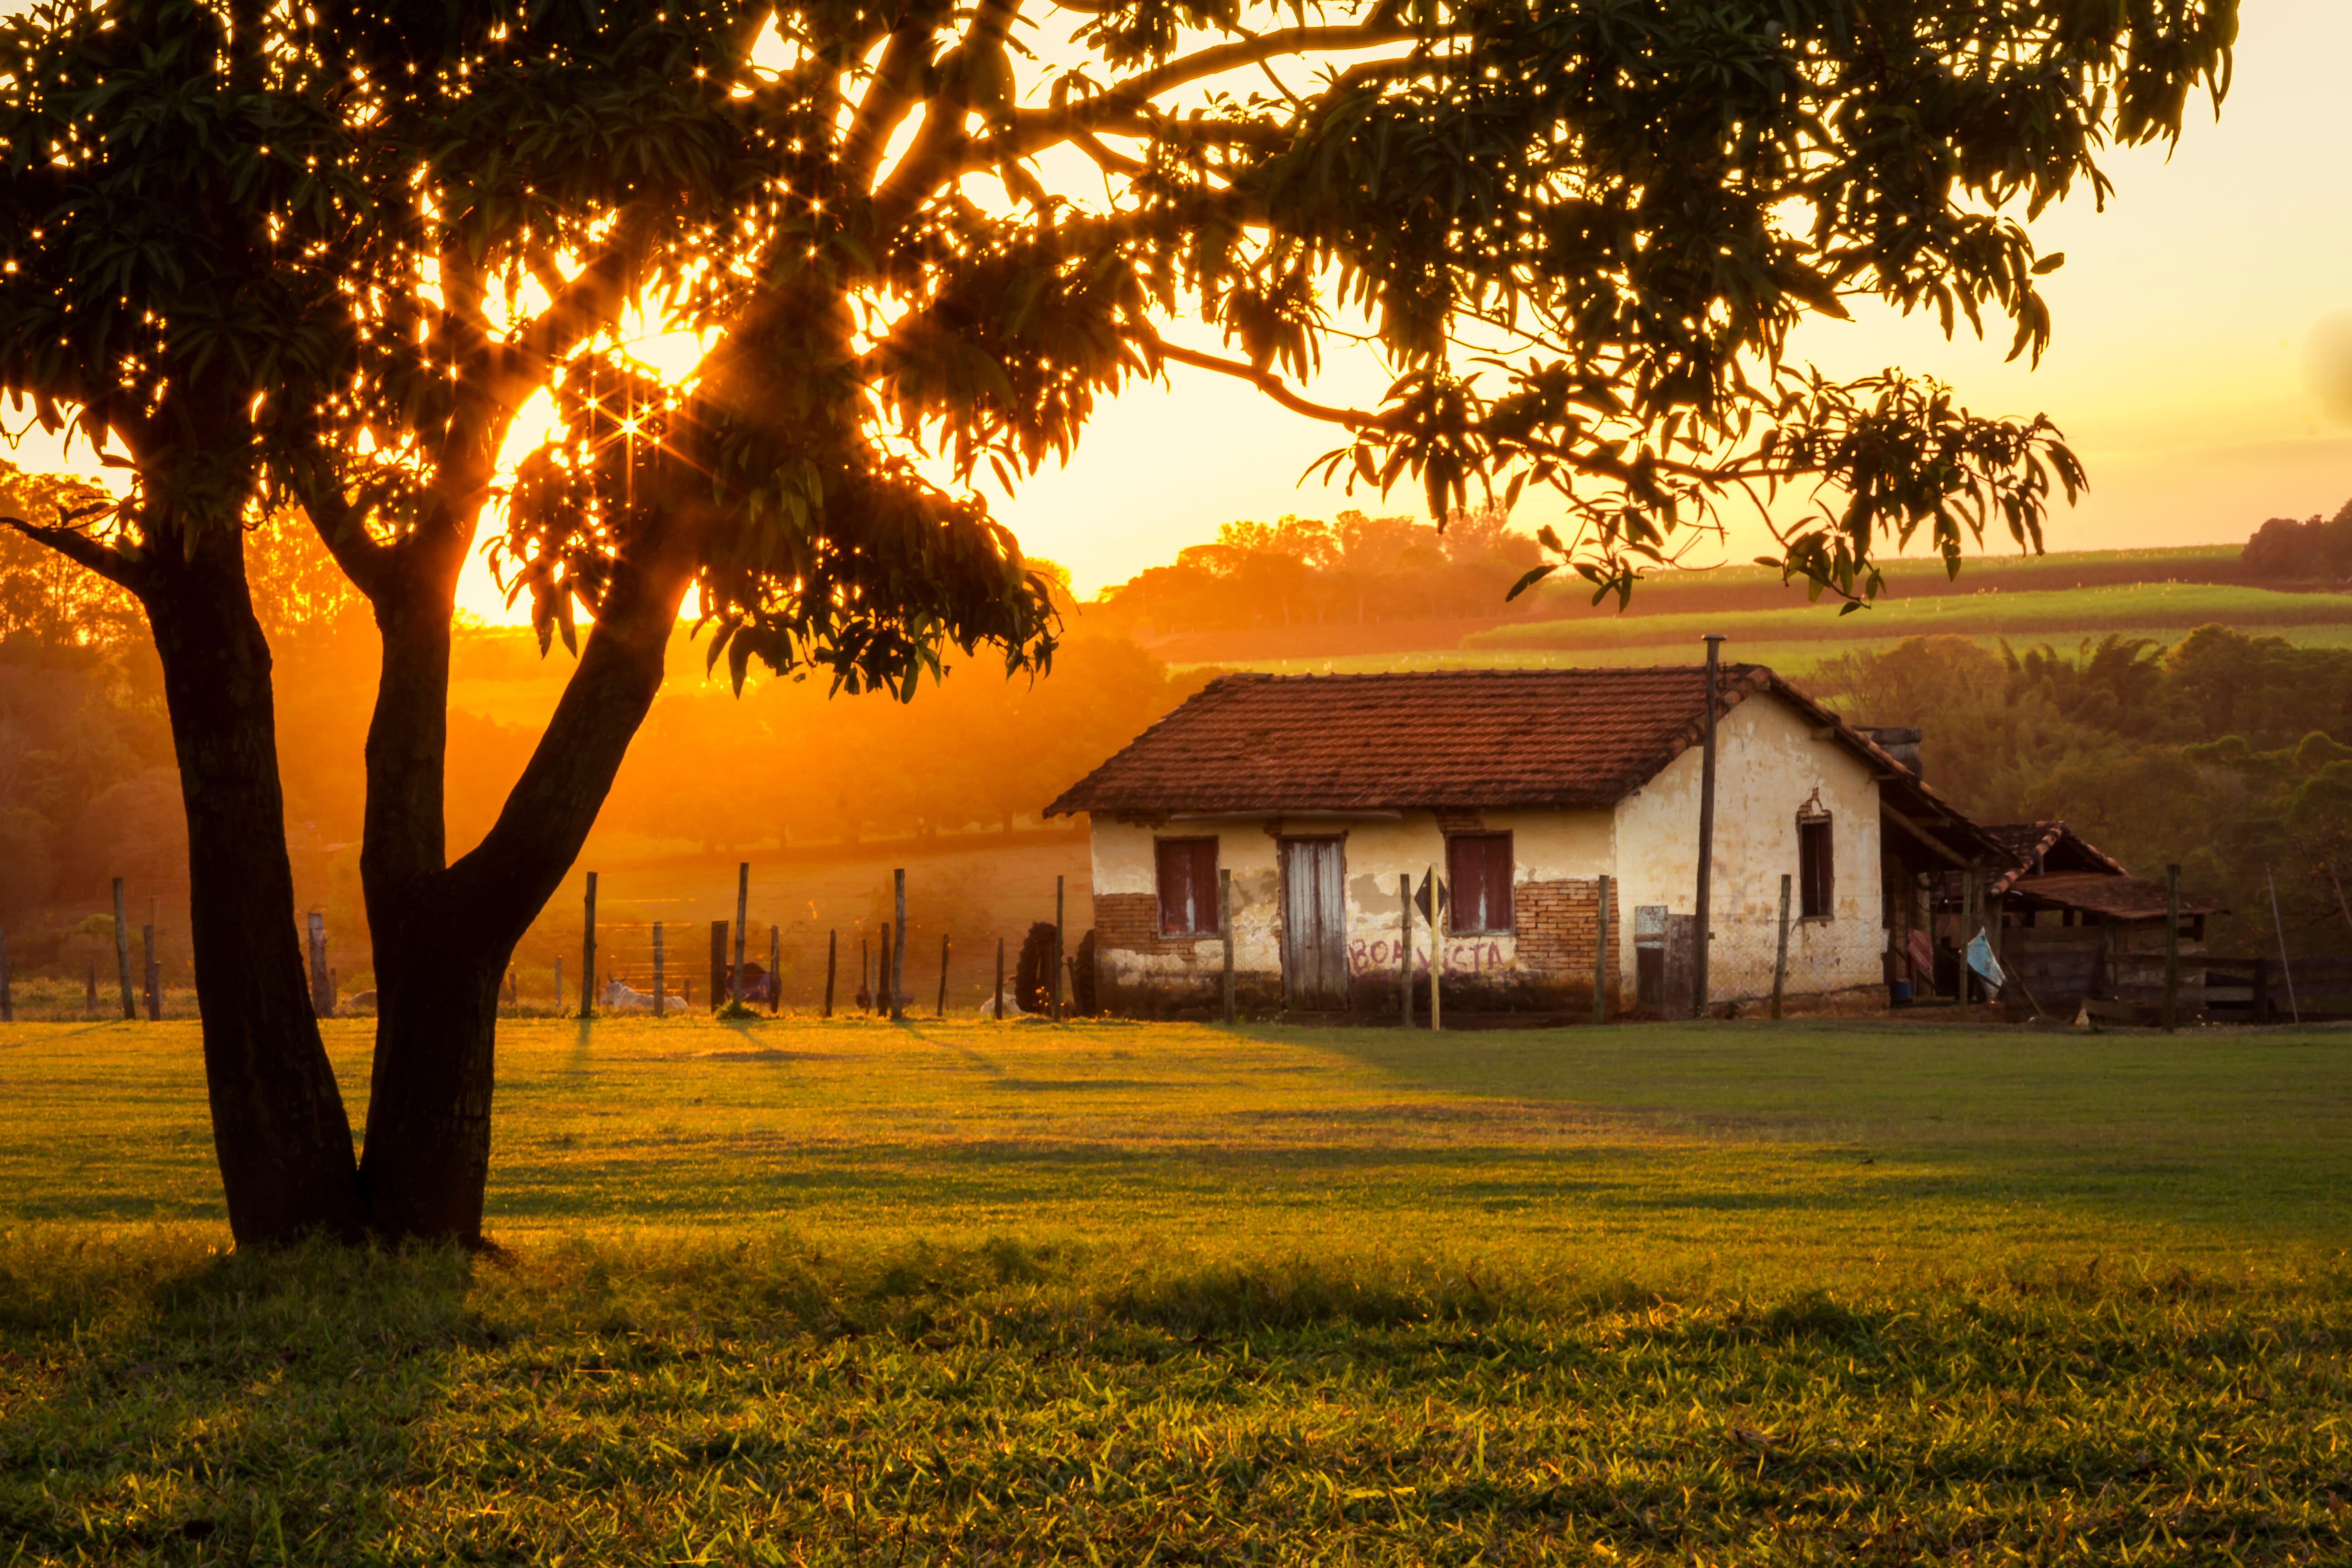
column 2118, row 897
column 2052, row 845
column 1461, row 738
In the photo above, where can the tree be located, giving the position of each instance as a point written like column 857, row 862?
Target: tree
column 388, row 232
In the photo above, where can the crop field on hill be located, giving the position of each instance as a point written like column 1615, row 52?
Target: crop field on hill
column 2070, row 612
column 967, row 1292
column 1793, row 656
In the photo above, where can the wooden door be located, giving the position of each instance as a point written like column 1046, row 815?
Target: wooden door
column 1678, row 984
column 1314, row 924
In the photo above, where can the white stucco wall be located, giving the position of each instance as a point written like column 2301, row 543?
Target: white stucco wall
column 1545, row 845
column 1769, row 766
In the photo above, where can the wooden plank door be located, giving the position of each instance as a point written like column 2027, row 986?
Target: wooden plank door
column 1679, row 984
column 1314, row 924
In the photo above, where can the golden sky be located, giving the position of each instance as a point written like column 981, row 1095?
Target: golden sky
column 2183, row 321
column 2186, row 320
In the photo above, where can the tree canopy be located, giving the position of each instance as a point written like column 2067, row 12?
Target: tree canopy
column 1579, row 234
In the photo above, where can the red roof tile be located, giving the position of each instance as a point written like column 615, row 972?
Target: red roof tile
column 2118, row 897
column 1470, row 739
column 2055, row 848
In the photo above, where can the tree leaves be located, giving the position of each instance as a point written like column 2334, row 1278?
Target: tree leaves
column 1582, row 232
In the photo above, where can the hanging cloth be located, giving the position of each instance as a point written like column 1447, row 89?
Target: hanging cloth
column 1982, row 960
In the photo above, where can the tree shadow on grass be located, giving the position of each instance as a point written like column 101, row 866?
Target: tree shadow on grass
column 247, row 1407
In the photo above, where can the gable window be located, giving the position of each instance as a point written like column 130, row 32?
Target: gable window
column 1188, row 887
column 1816, row 869
column 1479, row 864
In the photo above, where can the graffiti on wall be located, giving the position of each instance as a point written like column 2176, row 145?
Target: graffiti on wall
column 1473, row 956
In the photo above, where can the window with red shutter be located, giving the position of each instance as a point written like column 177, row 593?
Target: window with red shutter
column 1188, row 887
column 1479, row 864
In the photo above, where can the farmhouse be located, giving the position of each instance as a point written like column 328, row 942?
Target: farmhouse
column 1519, row 794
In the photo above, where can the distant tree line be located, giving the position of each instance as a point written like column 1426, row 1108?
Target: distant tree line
column 1301, row 572
column 2316, row 550
column 2228, row 753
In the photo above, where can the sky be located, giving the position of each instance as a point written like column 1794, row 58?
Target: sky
column 2183, row 321
column 2188, row 320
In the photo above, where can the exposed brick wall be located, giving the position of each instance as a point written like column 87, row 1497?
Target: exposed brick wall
column 1131, row 922
column 1556, row 924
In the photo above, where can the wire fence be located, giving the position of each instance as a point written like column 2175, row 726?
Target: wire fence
column 801, row 951
column 786, row 966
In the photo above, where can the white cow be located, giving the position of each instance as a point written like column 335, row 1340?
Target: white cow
column 620, row 997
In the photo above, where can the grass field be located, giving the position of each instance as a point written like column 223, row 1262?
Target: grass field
column 856, row 1294
column 1796, row 656
column 2074, row 613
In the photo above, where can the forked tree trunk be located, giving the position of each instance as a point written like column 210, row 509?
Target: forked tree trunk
column 444, row 937
column 278, row 1124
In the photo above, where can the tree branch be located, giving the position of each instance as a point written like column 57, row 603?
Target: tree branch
column 93, row 555
column 938, row 152
column 892, row 95
column 1218, row 58
column 1274, row 387
column 589, row 299
column 339, row 522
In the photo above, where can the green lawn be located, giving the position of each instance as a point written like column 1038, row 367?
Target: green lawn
column 946, row 1293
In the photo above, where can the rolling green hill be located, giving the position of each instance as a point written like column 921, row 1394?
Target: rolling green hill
column 1992, row 612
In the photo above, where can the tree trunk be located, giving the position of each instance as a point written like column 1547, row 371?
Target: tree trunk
column 445, row 935
column 278, row 1126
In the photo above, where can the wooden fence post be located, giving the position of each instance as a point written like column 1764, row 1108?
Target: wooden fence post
column 1780, row 950
column 898, row 954
column 942, row 1011
column 122, row 950
column 1968, row 918
column 2286, row 966
column 322, row 990
column 1226, row 935
column 147, row 974
column 588, row 952
column 7, row 997
column 743, row 919
column 1057, row 950
column 2171, row 949
column 660, row 1002
column 1600, row 955
column 1404, row 951
column 831, row 962
column 717, row 964
column 775, row 964
column 1436, row 952
column 998, row 1006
